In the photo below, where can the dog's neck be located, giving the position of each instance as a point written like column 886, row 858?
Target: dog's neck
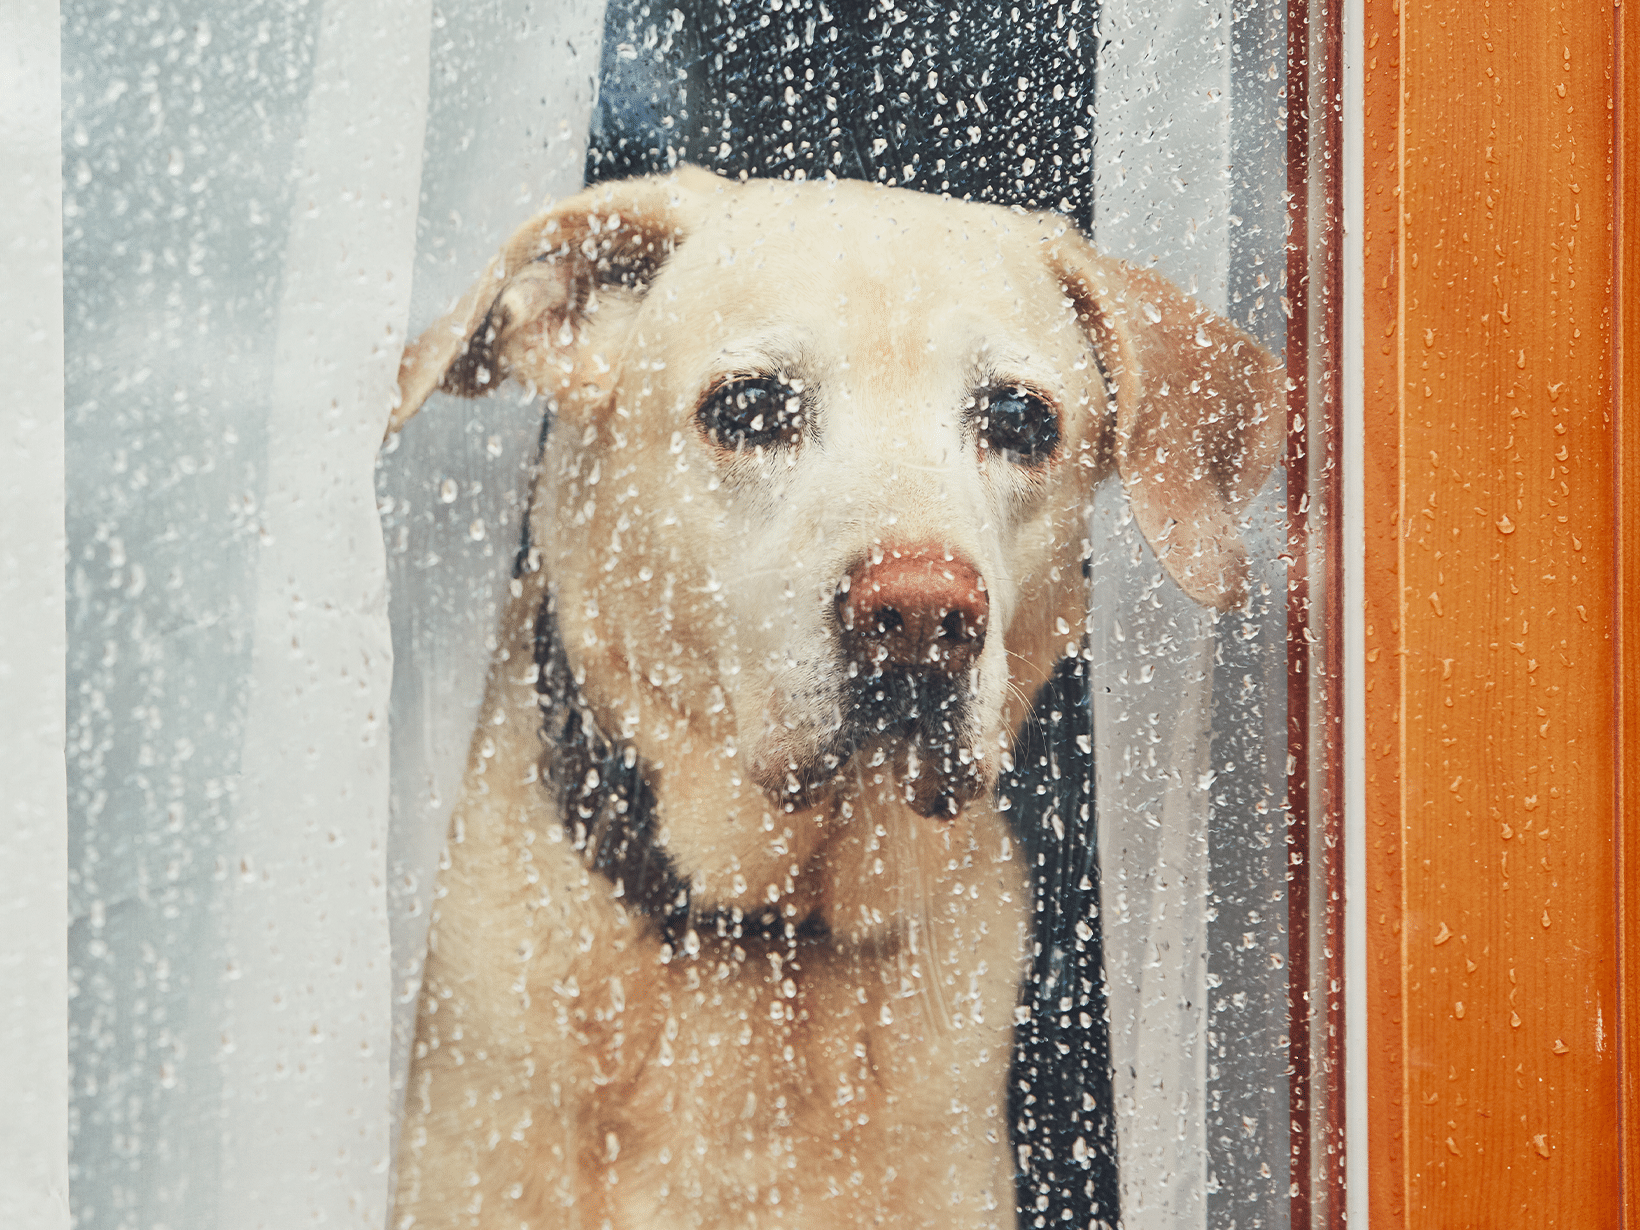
column 603, row 794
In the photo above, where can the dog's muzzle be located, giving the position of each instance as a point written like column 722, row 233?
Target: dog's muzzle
column 911, row 624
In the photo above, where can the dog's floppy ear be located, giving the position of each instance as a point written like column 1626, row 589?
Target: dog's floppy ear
column 1199, row 417
column 530, row 311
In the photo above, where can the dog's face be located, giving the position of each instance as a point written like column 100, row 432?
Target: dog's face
column 809, row 409
column 819, row 477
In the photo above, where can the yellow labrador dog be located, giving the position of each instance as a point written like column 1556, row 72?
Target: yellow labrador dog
column 731, row 930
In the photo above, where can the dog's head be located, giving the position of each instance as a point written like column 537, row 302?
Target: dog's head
column 820, row 470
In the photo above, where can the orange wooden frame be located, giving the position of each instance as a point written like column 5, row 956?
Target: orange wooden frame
column 1501, row 687
column 1626, row 117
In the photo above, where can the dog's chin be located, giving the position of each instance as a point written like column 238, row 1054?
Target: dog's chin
column 903, row 736
column 937, row 782
column 935, row 778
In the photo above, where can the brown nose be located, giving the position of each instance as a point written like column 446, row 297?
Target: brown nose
column 912, row 607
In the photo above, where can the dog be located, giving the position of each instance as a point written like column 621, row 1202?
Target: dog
column 731, row 929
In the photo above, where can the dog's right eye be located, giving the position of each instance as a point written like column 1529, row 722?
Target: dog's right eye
column 1020, row 425
column 753, row 414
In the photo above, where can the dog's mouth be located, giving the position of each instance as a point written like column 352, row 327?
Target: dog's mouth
column 903, row 729
column 915, row 722
column 909, row 623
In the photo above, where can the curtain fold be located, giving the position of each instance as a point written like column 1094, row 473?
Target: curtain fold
column 33, row 806
column 510, row 95
column 1162, row 199
column 306, row 1019
column 239, row 204
column 1189, row 140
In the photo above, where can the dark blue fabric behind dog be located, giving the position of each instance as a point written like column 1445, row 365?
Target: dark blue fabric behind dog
column 980, row 101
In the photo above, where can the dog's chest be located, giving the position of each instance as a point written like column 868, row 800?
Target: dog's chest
column 730, row 1074
column 759, row 1076
column 699, row 1076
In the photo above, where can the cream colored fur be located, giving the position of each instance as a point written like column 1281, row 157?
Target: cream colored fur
column 577, row 1065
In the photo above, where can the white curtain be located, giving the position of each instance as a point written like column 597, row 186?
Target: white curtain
column 257, row 797
column 255, row 215
column 33, row 845
column 306, row 1017
column 510, row 103
column 1162, row 199
column 1188, row 180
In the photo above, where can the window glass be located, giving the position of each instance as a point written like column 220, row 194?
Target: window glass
column 813, row 711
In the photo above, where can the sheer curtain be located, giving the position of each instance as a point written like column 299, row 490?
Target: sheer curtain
column 1161, row 198
column 306, row 1017
column 239, row 223
column 1188, row 708
column 510, row 101
column 260, row 201
column 33, row 979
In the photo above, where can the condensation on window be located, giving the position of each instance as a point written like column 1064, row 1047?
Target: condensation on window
column 782, row 709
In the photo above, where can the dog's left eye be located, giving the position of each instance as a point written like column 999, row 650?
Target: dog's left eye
column 753, row 414
column 1018, row 422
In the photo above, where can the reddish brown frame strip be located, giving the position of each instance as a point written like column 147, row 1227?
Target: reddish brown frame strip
column 1314, row 614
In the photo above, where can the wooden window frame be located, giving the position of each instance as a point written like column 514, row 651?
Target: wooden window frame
column 1502, row 697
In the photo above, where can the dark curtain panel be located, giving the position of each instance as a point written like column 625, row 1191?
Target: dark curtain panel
column 986, row 102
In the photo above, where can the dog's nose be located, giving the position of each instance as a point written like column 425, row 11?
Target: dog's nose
column 913, row 607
